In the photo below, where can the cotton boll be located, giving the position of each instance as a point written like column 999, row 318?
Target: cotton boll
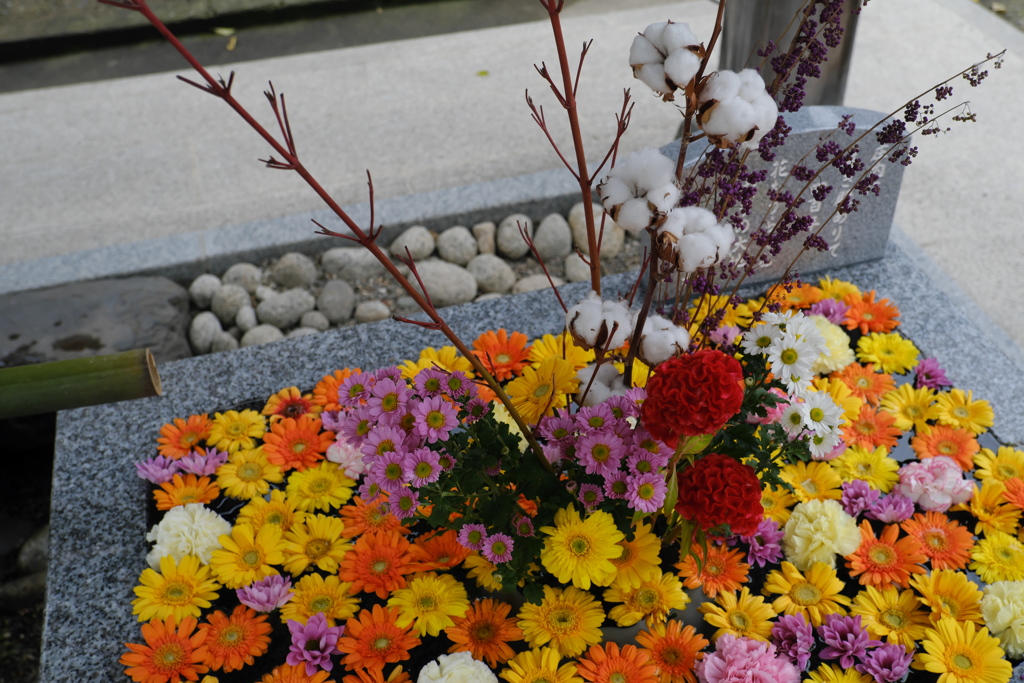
column 664, row 198
column 584, row 320
column 674, row 49
column 696, row 219
column 654, row 168
column 721, row 85
column 751, row 85
column 681, row 66
column 662, row 339
column 653, row 76
column 600, row 390
column 696, row 251
column 676, row 36
column 722, row 235
column 634, row 215
column 674, row 223
column 654, row 32
column 736, row 108
column 613, row 191
column 643, row 51
column 619, row 322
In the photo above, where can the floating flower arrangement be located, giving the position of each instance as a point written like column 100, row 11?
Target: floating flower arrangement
column 831, row 507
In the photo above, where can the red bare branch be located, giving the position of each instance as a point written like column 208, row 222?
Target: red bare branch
column 538, row 117
column 536, row 254
column 579, row 68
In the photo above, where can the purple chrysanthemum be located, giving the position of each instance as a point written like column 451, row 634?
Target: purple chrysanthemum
column 554, row 451
column 354, row 390
column 636, row 395
column 369, row 491
column 476, row 408
column 422, row 466
column 615, row 485
column 556, row 427
column 887, row 663
column 430, row 382
column 457, row 385
column 600, row 453
column 313, row 643
column 766, row 544
column 388, row 398
column 794, row 638
column 267, row 594
column 435, row 418
column 832, row 309
column 523, row 526
column 158, row 469
column 892, row 509
column 383, row 440
column 646, row 492
column 447, row 461
column 203, row 464
column 391, row 372
column 622, row 407
column 591, row 419
column 846, row 640
column 356, row 425
column 642, row 461
column 930, row 374
column 590, row 495
column 404, row 503
column 332, row 420
column 726, row 335
column 472, row 536
column 641, row 438
column 858, row 496
column 388, row 471
column 498, row 548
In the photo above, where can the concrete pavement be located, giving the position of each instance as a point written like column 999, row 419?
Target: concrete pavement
column 137, row 158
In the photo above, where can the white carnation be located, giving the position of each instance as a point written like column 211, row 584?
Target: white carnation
column 595, row 323
column 666, row 56
column 639, row 185
column 735, row 108
column 186, row 530
column 1003, row 610
column 457, row 668
column 695, row 238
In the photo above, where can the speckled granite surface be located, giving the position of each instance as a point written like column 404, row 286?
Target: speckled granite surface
column 98, row 516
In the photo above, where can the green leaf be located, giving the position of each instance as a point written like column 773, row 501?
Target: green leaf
column 672, row 495
column 693, row 445
column 533, row 592
column 485, row 72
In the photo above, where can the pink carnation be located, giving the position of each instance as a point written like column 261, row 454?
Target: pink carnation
column 934, row 484
column 349, row 457
column 742, row 660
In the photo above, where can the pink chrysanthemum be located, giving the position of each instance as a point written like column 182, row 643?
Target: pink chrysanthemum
column 472, row 536
column 476, row 408
column 523, row 526
column 422, row 467
column 435, row 418
column 642, row 461
column 615, row 485
column 556, row 427
column 591, row 419
column 267, row 594
column 388, row 471
column 766, row 544
column 646, row 492
column 600, row 453
column 354, row 390
column 590, row 495
column 622, row 407
column 403, row 503
column 457, row 385
column 157, row 470
column 383, row 440
column 498, row 548
column 794, row 638
column 356, row 425
column 430, row 382
column 203, row 463
column 742, row 660
column 930, row 374
column 387, row 398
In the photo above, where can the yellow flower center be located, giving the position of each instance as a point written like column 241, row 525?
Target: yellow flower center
column 235, row 429
column 251, row 558
column 601, row 452
column 739, row 620
column 379, row 567
column 617, row 677
column 624, row 556
column 962, row 661
column 767, row 501
column 298, row 447
column 809, row 486
column 320, row 603
column 805, row 594
column 961, row 413
column 949, row 605
column 935, row 539
column 579, row 545
column 503, row 358
column 817, row 414
column 275, row 517
column 435, row 419
column 864, row 467
column 249, row 472
column 946, row 447
column 867, row 315
column 563, row 620
column 483, row 631
column 389, row 403
column 189, row 438
column 542, row 391
column 789, row 356
column 646, row 599
column 670, row 655
column 882, row 555
column 863, row 383
column 177, row 593
column 316, row 548
column 645, row 492
column 912, row 411
column 169, row 656
column 1006, row 554
column 320, row 485
column 381, row 643
column 427, row 602
column 895, row 619
column 1007, row 472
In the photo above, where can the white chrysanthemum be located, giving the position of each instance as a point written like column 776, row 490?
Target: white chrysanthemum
column 792, row 420
column 820, row 413
column 595, row 323
column 818, row 531
column 758, row 338
column 735, row 108
column 662, row 339
column 186, row 530
column 838, row 342
column 1003, row 610
column 666, row 56
column 457, row 668
column 823, row 446
column 639, row 185
column 349, row 457
column 695, row 237
column 790, row 359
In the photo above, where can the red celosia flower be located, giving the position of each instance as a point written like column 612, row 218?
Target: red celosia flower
column 719, row 490
column 694, row 394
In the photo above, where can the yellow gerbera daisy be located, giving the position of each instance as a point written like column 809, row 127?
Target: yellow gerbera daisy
column 641, row 371
column 746, row 615
column 991, row 510
column 542, row 389
column 247, row 474
column 1006, row 463
column 569, row 619
column 833, row 673
column 638, row 559
column 534, row 666
column 837, row 289
column 777, row 503
column 651, row 600
column 874, row 467
column 891, row 614
column 814, row 594
column 812, row 481
column 949, row 593
column 890, row 352
column 581, row 551
column 246, row 555
column 998, row 557
column 233, row 430
column 429, row 602
column 911, row 407
column 321, row 488
column 317, row 541
column 482, row 570
column 962, row 653
column 279, row 511
column 315, row 594
column 180, row 589
column 959, row 409
column 445, row 358
column 561, row 346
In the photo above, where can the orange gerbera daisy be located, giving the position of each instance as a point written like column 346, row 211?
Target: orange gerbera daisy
column 1014, row 493
column 872, row 428
column 377, row 676
column 182, row 490
column 868, row 315
column 502, row 354
column 235, row 641
column 958, row 444
column 286, row 673
column 325, row 393
column 879, row 561
column 296, row 443
column 439, row 551
column 796, row 295
column 372, row 639
column 170, row 653
column 378, row 564
column 946, row 543
column 181, row 436
column 723, row 570
column 485, row 631
column 610, row 664
column 674, row 649
column 362, row 518
column 864, row 382
column 291, row 403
